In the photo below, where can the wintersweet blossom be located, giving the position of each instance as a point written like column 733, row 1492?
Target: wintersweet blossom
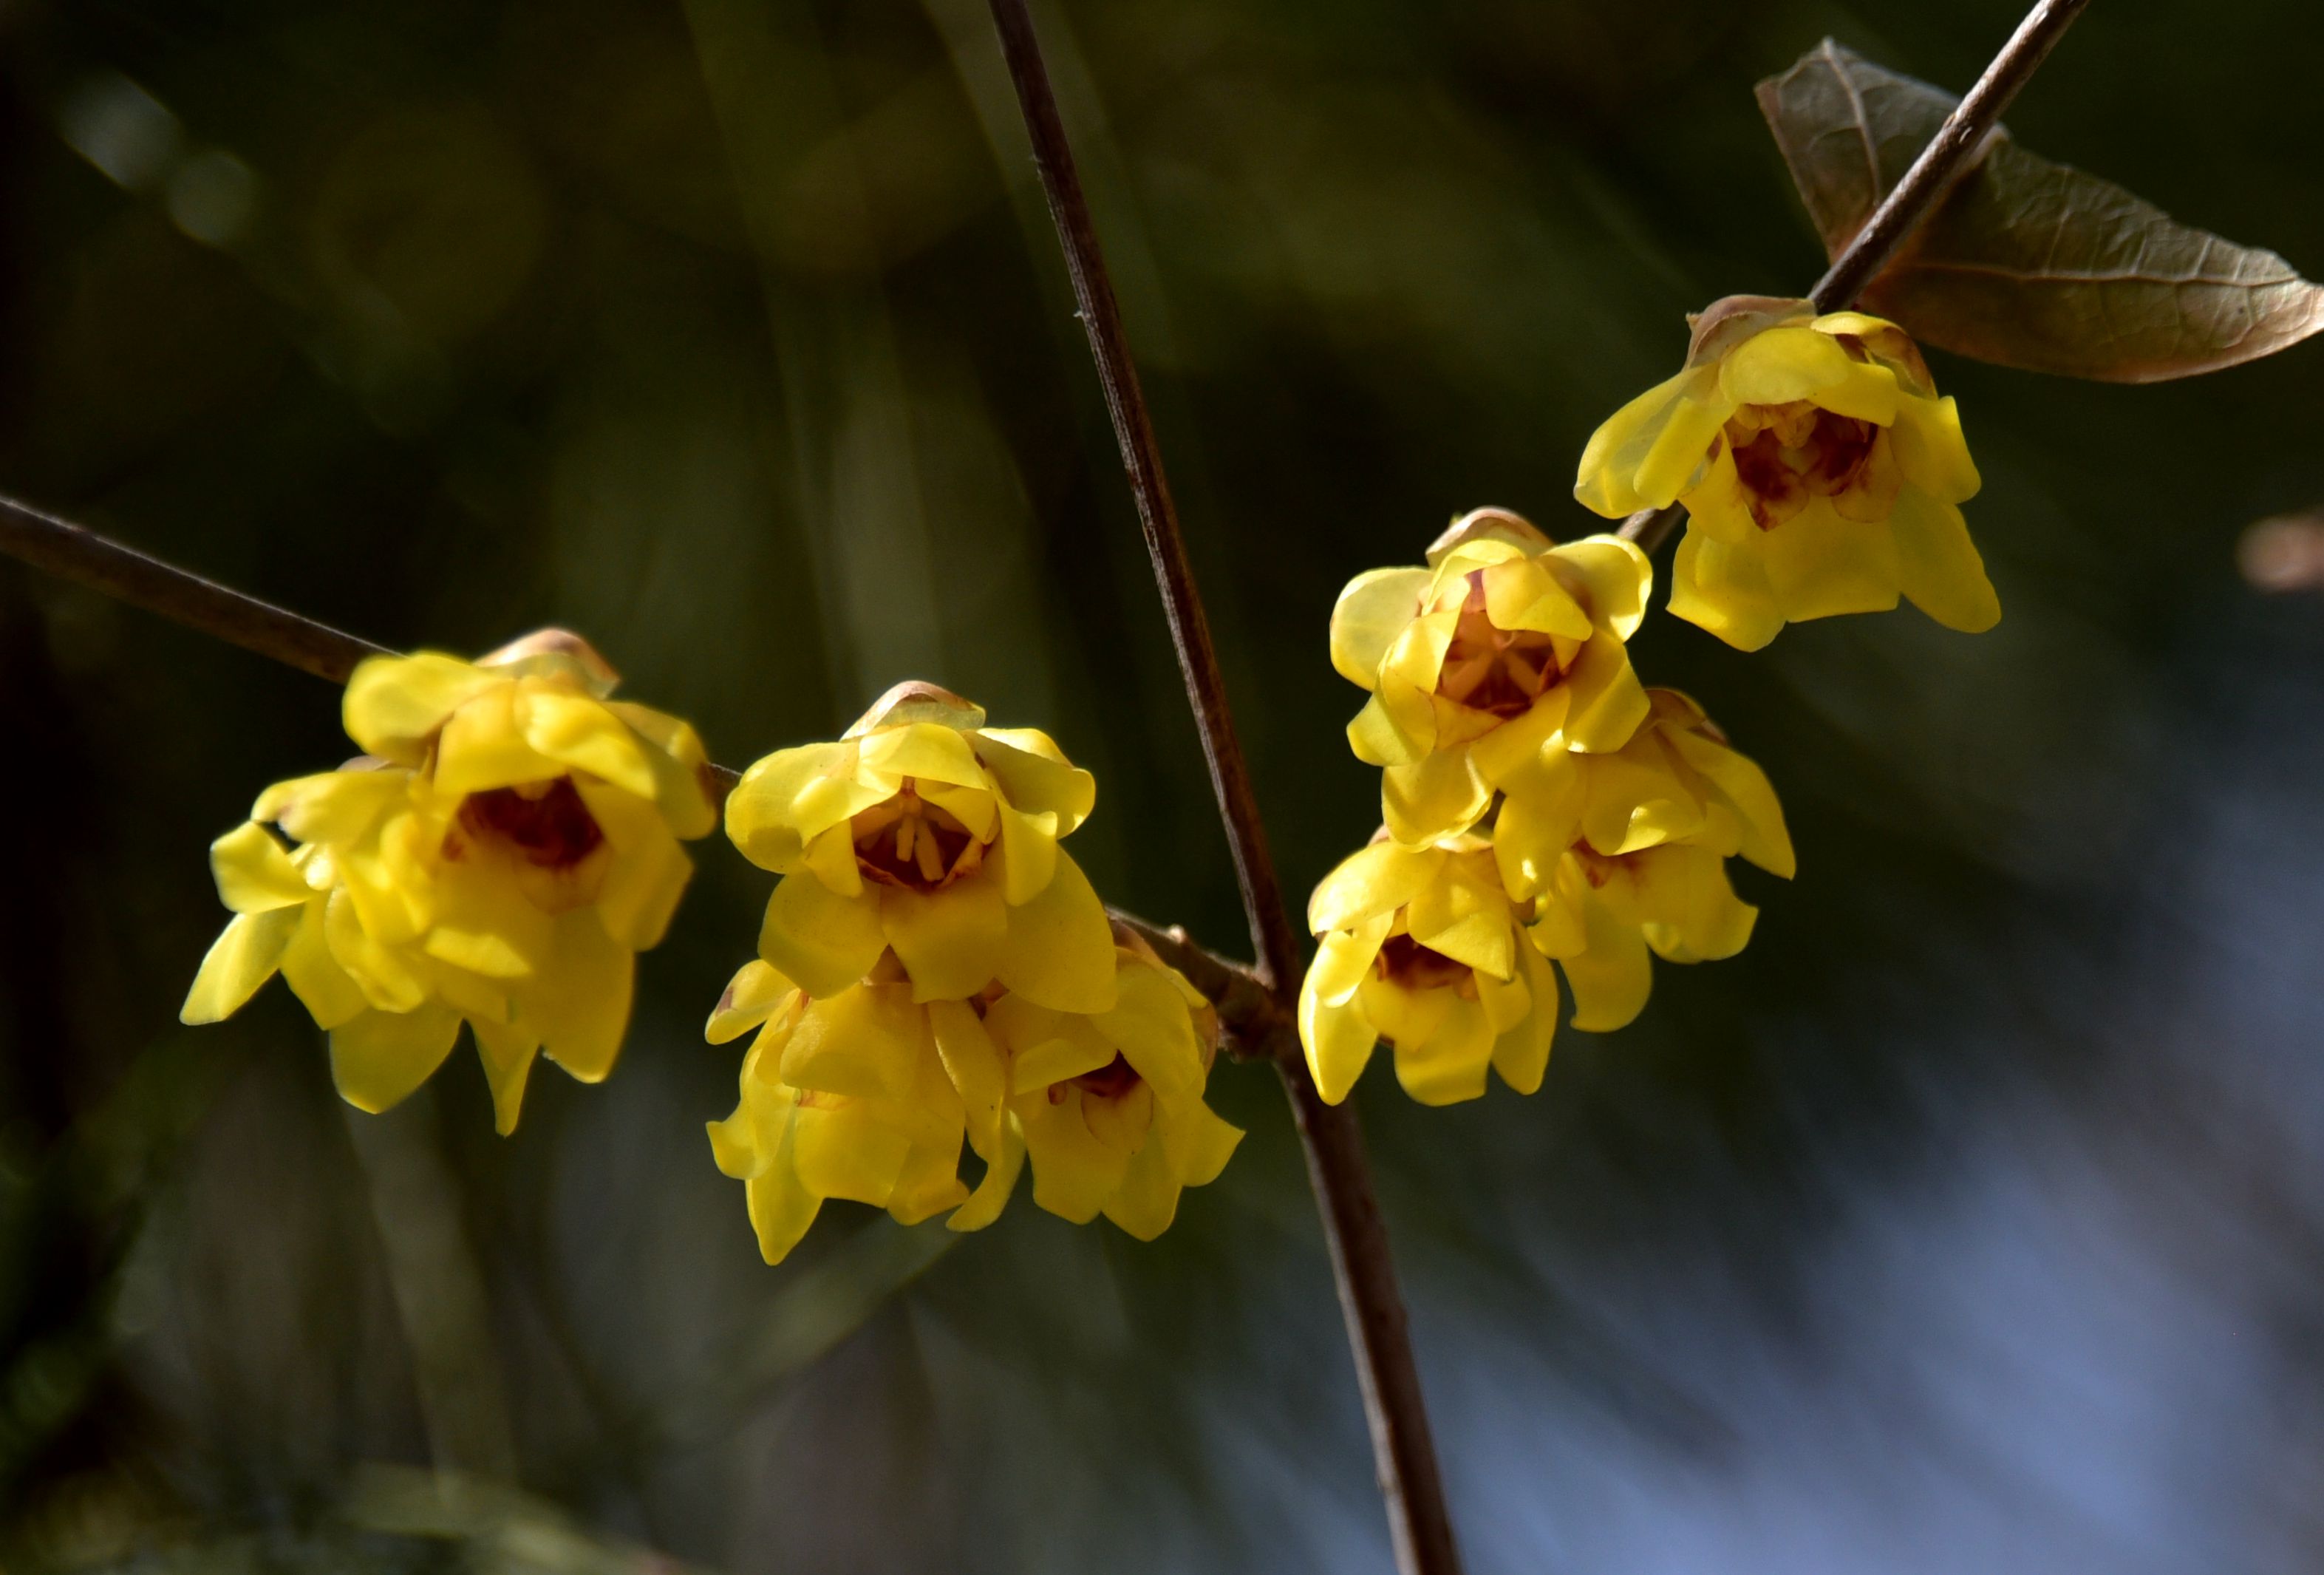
column 1422, row 948
column 869, row 1094
column 503, row 851
column 1820, row 471
column 1625, row 854
column 925, row 832
column 1504, row 646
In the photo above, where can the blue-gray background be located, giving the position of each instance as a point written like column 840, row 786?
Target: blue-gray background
column 1971, row 1221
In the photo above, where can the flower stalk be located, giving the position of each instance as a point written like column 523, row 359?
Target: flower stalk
column 1949, row 155
column 1371, row 1302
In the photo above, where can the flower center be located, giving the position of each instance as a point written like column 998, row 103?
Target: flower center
column 1110, row 1081
column 1785, row 454
column 1498, row 671
column 544, row 823
column 908, row 841
column 1405, row 961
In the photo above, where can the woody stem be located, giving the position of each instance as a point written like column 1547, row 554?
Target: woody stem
column 1370, row 1300
column 1949, row 155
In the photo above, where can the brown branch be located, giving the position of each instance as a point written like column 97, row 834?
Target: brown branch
column 82, row 556
column 1949, row 155
column 1403, row 1453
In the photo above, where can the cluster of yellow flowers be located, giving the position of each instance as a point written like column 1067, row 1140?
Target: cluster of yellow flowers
column 934, row 968
column 935, row 972
column 1539, row 803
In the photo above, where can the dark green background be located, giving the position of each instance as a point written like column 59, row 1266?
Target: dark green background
column 1970, row 1220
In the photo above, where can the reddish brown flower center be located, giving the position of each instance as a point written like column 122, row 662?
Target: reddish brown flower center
column 1785, row 454
column 543, row 823
column 908, row 841
column 1110, row 1081
column 1405, row 961
column 1501, row 671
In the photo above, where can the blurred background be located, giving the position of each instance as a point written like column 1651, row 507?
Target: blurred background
column 1969, row 1220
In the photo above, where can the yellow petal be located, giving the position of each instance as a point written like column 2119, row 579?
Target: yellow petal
column 389, row 979
column 782, row 1209
column 507, row 1052
column 1372, row 610
column 973, row 1061
column 1343, row 960
column 485, row 923
column 579, row 1000
column 1148, row 1199
column 1607, row 477
column 1035, row 775
column 1073, row 1173
column 253, row 871
column 926, row 750
column 1198, row 1143
column 1932, row 451
column 243, row 957
column 1633, row 798
column 1609, row 701
column 1765, row 841
column 483, row 748
column 1521, row 1052
column 580, row 732
column 1821, row 565
column 1442, row 796
column 822, row 940
column 1526, row 743
column 378, row 1058
column 1523, row 594
column 1380, row 879
column 678, row 761
column 863, row 1043
column 950, row 941
column 1612, row 977
column 645, row 879
column 393, row 703
column 928, row 1184
column 1464, row 915
column 750, row 997
column 1000, row 1172
column 763, row 817
column 1532, row 832
column 1682, row 451
column 1030, row 841
column 1783, row 365
column 1120, row 1121
column 1616, row 578
column 1339, row 1040
column 1449, row 1065
column 1075, row 1049
column 1151, row 1026
column 1059, row 951
column 1938, row 566
column 848, row 1153
column 1724, row 589
column 1375, row 738
column 330, row 996
column 332, row 806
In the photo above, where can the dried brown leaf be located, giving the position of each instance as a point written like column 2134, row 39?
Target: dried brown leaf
column 2026, row 263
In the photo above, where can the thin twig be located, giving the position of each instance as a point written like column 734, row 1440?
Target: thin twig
column 82, row 556
column 1403, row 1452
column 1949, row 155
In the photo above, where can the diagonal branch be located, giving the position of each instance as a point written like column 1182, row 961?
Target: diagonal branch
column 1373, row 1304
column 1948, row 157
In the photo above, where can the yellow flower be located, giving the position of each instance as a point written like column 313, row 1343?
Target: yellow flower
column 1421, row 947
column 848, row 1095
column 868, row 1095
column 1503, row 647
column 505, row 848
column 1110, row 1105
column 1819, row 472
column 1626, row 853
column 925, row 831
